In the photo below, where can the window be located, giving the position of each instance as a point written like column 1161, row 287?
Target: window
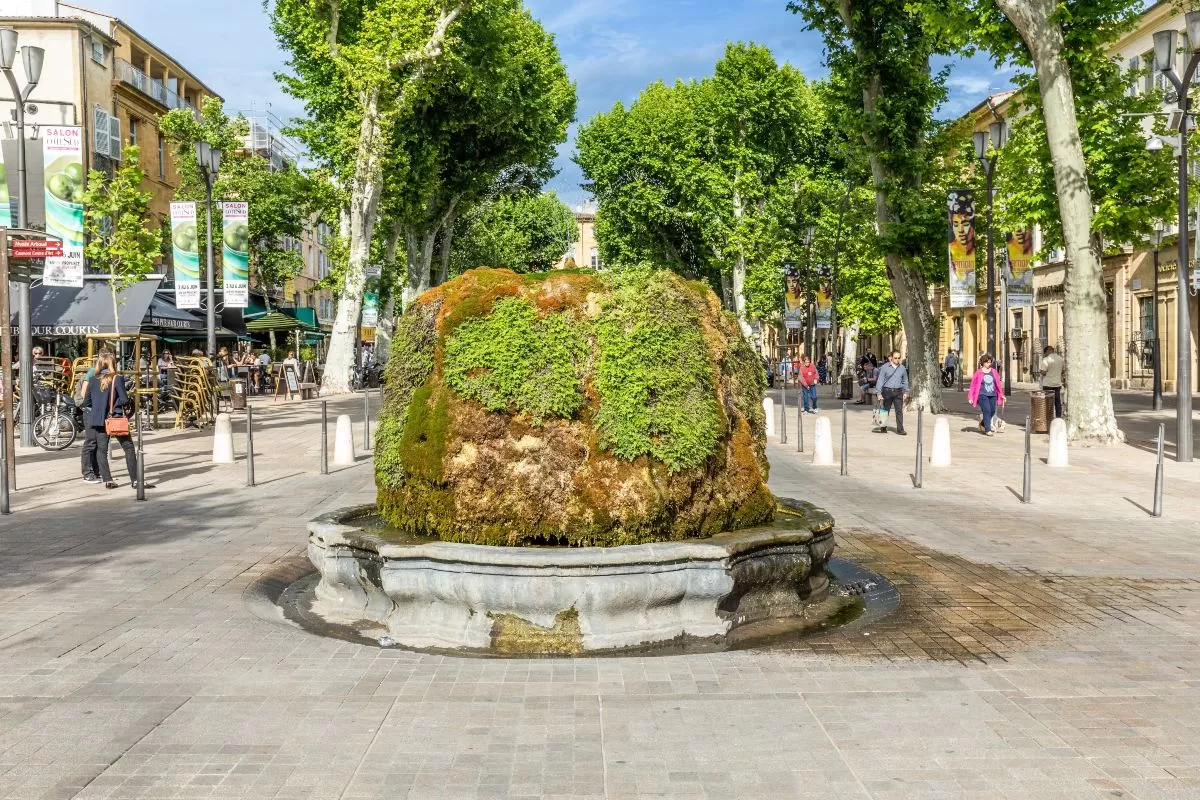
column 1148, row 73
column 162, row 156
column 594, row 258
column 99, row 53
column 1146, row 314
column 1018, row 320
column 1043, row 325
column 1134, row 68
column 133, row 130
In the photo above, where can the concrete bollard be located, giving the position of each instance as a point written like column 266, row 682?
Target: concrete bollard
column 343, row 442
column 940, row 455
column 223, row 440
column 769, row 410
column 823, row 443
column 1058, row 444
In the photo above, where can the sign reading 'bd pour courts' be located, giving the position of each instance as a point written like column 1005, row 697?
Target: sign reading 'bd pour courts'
column 62, row 154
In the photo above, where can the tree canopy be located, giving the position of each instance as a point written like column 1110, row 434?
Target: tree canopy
column 524, row 233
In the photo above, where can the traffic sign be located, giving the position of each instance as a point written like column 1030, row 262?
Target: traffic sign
column 1196, row 280
column 35, row 248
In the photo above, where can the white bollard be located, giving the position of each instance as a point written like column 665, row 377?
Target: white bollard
column 343, row 442
column 769, row 410
column 823, row 443
column 940, row 456
column 223, row 440
column 1057, row 456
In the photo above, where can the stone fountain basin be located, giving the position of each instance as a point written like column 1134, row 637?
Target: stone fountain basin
column 445, row 595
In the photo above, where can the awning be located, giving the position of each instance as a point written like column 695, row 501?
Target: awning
column 70, row 311
column 275, row 321
column 163, row 315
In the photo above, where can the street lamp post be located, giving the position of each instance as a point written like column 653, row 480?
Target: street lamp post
column 209, row 159
column 32, row 58
column 1156, row 402
column 810, row 323
column 835, row 341
column 995, row 133
column 1164, row 56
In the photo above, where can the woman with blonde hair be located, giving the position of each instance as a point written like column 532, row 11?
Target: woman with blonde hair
column 109, row 417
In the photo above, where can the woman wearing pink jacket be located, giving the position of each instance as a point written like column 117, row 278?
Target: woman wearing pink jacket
column 986, row 393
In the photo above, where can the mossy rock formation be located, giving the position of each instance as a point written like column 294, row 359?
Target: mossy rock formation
column 571, row 408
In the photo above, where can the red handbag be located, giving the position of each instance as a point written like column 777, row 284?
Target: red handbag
column 115, row 426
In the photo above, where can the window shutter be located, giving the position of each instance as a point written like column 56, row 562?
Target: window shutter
column 114, row 138
column 100, row 131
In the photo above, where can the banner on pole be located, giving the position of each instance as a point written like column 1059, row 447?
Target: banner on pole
column 6, row 216
column 793, row 297
column 185, row 253
column 62, row 165
column 1018, row 268
column 235, row 253
column 824, row 304
column 370, row 312
column 961, row 247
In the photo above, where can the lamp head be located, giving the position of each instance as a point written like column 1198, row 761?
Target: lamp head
column 215, row 159
column 1164, row 50
column 1154, row 144
column 203, row 152
column 1193, row 29
column 998, row 130
column 981, row 144
column 8, row 48
column 33, row 57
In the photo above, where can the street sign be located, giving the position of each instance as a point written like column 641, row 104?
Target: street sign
column 35, row 248
column 1196, row 280
column 373, row 271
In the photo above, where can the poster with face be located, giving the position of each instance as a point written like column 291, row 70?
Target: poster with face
column 1019, row 269
column 961, row 246
column 793, row 297
column 824, row 305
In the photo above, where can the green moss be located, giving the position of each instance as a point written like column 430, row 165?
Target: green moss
column 423, row 443
column 408, row 368
column 654, row 373
column 515, row 360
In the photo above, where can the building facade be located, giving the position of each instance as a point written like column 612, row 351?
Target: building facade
column 585, row 252
column 102, row 75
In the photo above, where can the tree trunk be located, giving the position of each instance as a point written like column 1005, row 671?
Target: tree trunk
column 419, row 243
column 849, row 348
column 363, row 213
column 739, row 266
column 447, row 241
column 727, row 296
column 387, row 320
column 1089, row 410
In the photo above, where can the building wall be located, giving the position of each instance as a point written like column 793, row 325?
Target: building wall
column 586, row 251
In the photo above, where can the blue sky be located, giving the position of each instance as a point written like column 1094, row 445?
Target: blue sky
column 612, row 49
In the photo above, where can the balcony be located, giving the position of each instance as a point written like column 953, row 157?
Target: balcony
column 130, row 75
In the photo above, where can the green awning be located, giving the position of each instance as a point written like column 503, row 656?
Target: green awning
column 253, row 311
column 276, row 321
column 306, row 314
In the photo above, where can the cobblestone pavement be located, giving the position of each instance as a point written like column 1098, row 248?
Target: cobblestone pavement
column 1040, row 651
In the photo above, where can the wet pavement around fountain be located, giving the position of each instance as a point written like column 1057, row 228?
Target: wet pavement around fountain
column 1041, row 651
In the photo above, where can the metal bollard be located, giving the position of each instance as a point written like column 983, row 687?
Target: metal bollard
column 917, row 474
column 366, row 420
column 845, row 440
column 1027, row 477
column 4, row 456
column 799, row 429
column 249, row 445
column 1158, row 473
column 783, row 414
column 141, row 465
column 324, row 437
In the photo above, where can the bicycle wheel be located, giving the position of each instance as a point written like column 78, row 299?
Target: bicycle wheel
column 54, row 431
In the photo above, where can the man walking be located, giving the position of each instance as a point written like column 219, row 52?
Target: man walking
column 1051, row 367
column 893, row 391
column 808, row 385
column 949, row 367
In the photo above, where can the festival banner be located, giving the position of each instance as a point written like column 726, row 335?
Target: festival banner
column 1018, row 269
column 235, row 253
column 370, row 310
column 824, row 305
column 6, row 218
column 62, row 165
column 793, row 297
column 185, row 254
column 961, row 247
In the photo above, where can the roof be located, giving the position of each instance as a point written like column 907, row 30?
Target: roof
column 77, row 22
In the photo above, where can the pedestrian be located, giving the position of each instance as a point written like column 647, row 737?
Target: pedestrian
column 829, row 368
column 985, row 393
column 88, row 463
column 892, row 385
column 822, row 370
column 1051, row 368
column 769, row 371
column 808, row 385
column 109, row 400
column 949, row 367
column 864, row 382
column 785, row 368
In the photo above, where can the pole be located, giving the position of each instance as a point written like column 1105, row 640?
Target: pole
column 783, row 413
column 24, row 314
column 1183, row 328
column 210, row 314
column 962, row 337
column 799, row 428
column 1004, row 333
column 1156, row 402
column 249, row 445
column 845, row 441
column 1158, row 472
column 324, row 437
column 991, row 260
column 6, row 431
column 366, row 419
column 917, row 474
column 141, row 452
column 1027, row 473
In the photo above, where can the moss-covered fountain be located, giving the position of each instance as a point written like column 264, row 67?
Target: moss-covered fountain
column 570, row 463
